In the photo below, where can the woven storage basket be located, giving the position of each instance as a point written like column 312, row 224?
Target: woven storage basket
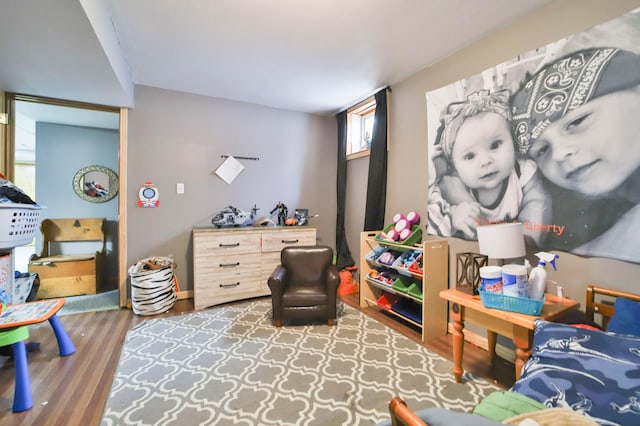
column 18, row 224
column 153, row 291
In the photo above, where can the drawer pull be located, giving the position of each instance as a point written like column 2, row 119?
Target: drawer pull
column 229, row 285
column 290, row 241
column 229, row 265
column 229, row 245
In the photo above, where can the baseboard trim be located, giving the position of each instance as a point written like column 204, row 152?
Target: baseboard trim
column 476, row 339
column 186, row 294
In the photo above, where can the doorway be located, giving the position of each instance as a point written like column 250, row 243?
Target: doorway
column 50, row 127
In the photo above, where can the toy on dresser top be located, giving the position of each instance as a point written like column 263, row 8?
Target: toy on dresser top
column 233, row 217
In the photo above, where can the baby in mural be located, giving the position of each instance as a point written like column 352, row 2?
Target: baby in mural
column 486, row 181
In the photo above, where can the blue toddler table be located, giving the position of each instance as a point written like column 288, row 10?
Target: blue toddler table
column 14, row 322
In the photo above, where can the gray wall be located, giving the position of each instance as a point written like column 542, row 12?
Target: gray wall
column 60, row 152
column 407, row 167
column 178, row 137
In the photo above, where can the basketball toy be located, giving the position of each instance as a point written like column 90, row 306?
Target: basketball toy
column 405, row 233
column 413, row 217
column 397, row 217
column 393, row 235
column 402, row 224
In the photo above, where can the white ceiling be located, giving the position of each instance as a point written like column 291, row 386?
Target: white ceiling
column 316, row 56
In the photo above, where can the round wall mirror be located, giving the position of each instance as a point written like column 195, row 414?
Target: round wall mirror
column 96, row 184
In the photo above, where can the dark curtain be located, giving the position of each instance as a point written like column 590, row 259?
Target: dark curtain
column 377, row 184
column 343, row 254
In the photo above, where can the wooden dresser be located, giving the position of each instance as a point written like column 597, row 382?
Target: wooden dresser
column 235, row 263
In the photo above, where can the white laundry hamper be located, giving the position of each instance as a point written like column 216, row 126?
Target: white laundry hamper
column 18, row 224
column 153, row 291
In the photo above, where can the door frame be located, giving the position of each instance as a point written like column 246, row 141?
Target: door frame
column 7, row 161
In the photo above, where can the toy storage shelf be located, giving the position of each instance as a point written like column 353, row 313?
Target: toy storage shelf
column 434, row 278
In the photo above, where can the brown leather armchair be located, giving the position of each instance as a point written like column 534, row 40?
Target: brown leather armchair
column 305, row 284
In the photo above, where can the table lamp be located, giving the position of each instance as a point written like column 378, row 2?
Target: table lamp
column 502, row 241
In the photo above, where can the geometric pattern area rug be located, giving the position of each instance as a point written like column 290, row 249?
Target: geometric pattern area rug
column 230, row 366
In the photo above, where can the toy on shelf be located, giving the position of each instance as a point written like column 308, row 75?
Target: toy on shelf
column 381, row 277
column 388, row 257
column 405, row 229
column 416, row 266
column 407, row 259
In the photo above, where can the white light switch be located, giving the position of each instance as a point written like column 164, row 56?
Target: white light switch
column 179, row 188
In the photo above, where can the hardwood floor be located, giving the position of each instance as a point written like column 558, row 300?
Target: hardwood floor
column 74, row 390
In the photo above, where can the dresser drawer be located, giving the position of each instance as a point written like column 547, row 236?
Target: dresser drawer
column 234, row 282
column 269, row 263
column 213, row 289
column 276, row 241
column 214, row 243
column 225, row 264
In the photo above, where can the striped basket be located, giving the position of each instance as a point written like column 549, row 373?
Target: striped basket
column 153, row 291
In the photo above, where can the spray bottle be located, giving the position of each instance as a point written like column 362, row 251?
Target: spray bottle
column 538, row 278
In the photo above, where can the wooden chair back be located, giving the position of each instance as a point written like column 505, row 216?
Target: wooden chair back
column 71, row 230
column 597, row 304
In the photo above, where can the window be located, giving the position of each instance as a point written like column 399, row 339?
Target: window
column 360, row 120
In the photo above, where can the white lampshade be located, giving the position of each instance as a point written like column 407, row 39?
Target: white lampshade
column 502, row 241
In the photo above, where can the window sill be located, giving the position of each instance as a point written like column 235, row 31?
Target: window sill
column 359, row 154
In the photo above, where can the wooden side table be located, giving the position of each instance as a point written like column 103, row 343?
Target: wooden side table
column 518, row 327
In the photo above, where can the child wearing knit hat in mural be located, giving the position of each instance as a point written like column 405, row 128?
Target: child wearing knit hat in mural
column 579, row 119
column 486, row 182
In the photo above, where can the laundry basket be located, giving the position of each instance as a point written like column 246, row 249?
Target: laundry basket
column 18, row 224
column 153, row 288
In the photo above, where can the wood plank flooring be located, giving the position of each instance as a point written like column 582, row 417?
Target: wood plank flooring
column 74, row 390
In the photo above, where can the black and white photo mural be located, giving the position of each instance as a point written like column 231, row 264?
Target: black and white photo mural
column 550, row 139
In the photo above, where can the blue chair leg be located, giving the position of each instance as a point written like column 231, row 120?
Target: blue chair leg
column 65, row 345
column 22, row 400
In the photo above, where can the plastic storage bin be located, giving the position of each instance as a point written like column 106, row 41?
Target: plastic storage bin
column 18, row 224
column 415, row 291
column 373, row 255
column 387, row 300
column 413, row 239
column 521, row 305
column 401, row 284
column 409, row 309
column 417, row 266
column 407, row 258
